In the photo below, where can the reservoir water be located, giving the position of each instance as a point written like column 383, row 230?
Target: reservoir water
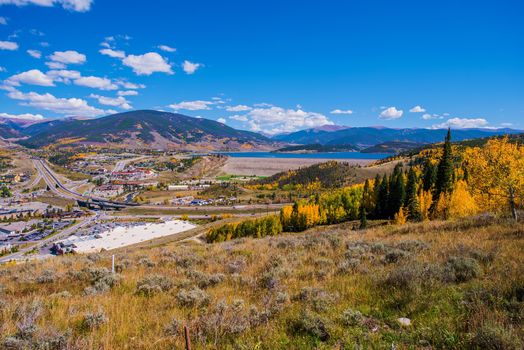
column 325, row 155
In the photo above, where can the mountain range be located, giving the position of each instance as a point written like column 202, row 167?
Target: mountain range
column 164, row 130
column 142, row 129
column 364, row 137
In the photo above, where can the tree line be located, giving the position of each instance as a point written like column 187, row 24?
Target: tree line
column 440, row 183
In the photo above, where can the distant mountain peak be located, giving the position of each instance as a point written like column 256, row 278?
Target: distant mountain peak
column 146, row 128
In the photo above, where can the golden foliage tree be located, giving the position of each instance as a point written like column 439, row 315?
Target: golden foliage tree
column 461, row 203
column 400, row 217
column 495, row 173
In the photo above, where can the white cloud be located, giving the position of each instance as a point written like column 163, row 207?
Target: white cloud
column 462, row 123
column 44, row 44
column 72, row 5
column 66, row 106
column 31, row 77
column 3, row 21
column 240, row 118
column 147, row 64
column 25, row 116
column 222, row 120
column 8, row 45
column 55, row 65
column 506, row 125
column 238, row 108
column 2, row 69
column 112, row 101
column 341, row 111
column 96, row 83
column 128, row 85
column 34, row 53
column 192, row 105
column 391, row 113
column 166, row 48
column 68, row 57
column 127, row 93
column 64, row 76
column 273, row 120
column 190, row 67
column 417, row 109
column 113, row 53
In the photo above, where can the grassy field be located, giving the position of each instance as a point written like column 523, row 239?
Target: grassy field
column 56, row 201
column 454, row 285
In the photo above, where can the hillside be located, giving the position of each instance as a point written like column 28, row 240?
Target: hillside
column 393, row 147
column 316, row 148
column 145, row 128
column 9, row 129
column 438, row 285
column 364, row 137
column 328, row 175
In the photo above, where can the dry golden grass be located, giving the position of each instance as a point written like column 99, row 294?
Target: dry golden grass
column 460, row 282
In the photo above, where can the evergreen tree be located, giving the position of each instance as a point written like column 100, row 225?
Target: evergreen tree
column 376, row 190
column 383, row 198
column 444, row 181
column 397, row 191
column 363, row 217
column 412, row 202
column 430, row 176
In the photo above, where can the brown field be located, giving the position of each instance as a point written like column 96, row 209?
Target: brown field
column 269, row 166
column 459, row 283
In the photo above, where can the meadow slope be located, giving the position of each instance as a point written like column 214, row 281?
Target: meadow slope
column 460, row 283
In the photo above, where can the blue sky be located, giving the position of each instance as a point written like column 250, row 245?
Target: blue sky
column 271, row 66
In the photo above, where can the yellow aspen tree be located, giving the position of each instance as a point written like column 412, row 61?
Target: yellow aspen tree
column 400, row 217
column 425, row 199
column 461, row 202
column 496, row 173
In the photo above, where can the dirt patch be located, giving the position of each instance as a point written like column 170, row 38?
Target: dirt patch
column 271, row 166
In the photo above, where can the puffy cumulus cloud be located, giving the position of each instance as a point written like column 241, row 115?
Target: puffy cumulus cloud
column 113, row 53
column 462, row 123
column 96, row 83
column 192, row 105
column 391, row 113
column 222, row 120
column 417, row 109
column 341, row 111
column 274, row 120
column 238, row 108
column 190, row 67
column 166, row 48
column 31, row 77
column 34, row 53
column 8, row 45
column 68, row 57
column 112, row 101
column 64, row 76
column 128, row 85
column 147, row 64
column 127, row 93
column 25, row 116
column 66, row 106
column 55, row 65
column 3, row 21
column 72, row 5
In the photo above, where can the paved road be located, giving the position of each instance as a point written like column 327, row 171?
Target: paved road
column 53, row 183
column 120, row 165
